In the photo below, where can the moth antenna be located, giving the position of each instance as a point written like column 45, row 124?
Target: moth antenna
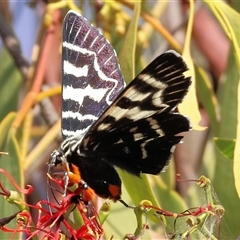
column 125, row 204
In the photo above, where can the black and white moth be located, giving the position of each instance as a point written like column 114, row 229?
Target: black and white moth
column 105, row 125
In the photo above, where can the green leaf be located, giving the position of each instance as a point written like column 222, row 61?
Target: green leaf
column 127, row 54
column 10, row 84
column 11, row 164
column 207, row 97
column 189, row 106
column 5, row 126
column 225, row 146
column 138, row 188
column 224, row 181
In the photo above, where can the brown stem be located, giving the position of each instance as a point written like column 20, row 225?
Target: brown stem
column 12, row 45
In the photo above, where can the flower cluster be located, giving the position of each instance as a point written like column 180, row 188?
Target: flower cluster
column 72, row 218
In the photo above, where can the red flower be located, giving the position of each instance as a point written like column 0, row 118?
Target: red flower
column 53, row 220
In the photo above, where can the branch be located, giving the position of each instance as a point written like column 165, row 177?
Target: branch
column 12, row 45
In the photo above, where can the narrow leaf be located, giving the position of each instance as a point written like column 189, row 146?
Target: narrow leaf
column 225, row 146
column 189, row 106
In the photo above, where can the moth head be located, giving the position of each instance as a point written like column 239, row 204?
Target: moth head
column 57, row 158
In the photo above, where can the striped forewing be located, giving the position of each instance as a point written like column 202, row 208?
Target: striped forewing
column 91, row 75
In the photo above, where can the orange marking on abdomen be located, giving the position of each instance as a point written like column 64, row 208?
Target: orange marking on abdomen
column 88, row 194
column 74, row 175
column 115, row 192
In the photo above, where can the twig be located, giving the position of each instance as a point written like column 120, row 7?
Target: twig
column 29, row 100
column 12, row 45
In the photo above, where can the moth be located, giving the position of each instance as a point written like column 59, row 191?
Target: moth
column 104, row 124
